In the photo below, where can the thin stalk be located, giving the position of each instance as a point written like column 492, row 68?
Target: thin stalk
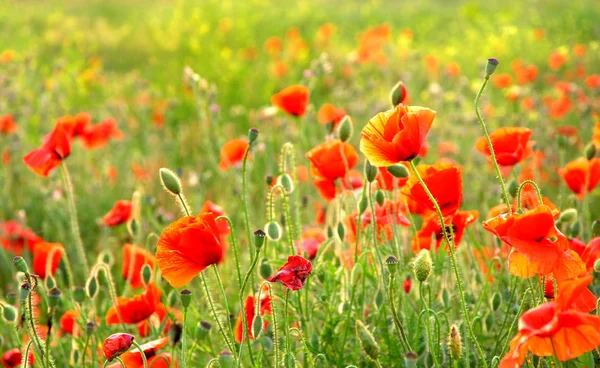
column 183, row 357
column 141, row 353
column 214, row 312
column 523, row 184
column 245, row 335
column 429, row 339
column 392, row 298
column 87, row 341
column 234, row 246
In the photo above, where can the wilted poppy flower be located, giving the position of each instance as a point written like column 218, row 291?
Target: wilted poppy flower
column 455, row 225
column 232, row 153
column 162, row 316
column 396, row 135
column 511, row 145
column 187, row 247
column 98, row 135
column 556, row 328
column 46, row 254
column 116, row 344
column 329, row 114
column 579, row 172
column 119, row 214
column 217, row 211
column 591, row 253
column 7, row 125
column 134, row 258
column 68, row 322
column 14, row 237
column 294, row 273
column 12, row 358
column 293, row 100
column 332, row 159
column 56, row 148
column 264, row 308
column 311, row 240
column 444, row 182
column 502, row 80
column 538, row 247
column 133, row 359
column 136, row 309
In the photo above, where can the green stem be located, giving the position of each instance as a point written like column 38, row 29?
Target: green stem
column 392, row 298
column 286, row 322
column 226, row 304
column 49, row 336
column 451, row 249
column 87, row 341
column 25, row 358
column 514, row 322
column 31, row 320
column 275, row 328
column 557, row 362
column 183, row 204
column 141, row 353
column 245, row 199
column 523, row 184
column 214, row 312
column 234, row 246
column 245, row 335
column 183, row 357
column 111, row 288
column 429, row 337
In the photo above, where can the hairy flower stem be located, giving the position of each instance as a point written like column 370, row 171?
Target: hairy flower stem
column 275, row 328
column 235, row 248
column 74, row 219
column 459, row 283
column 215, row 315
column 429, row 337
column 523, row 184
column 141, row 353
column 183, row 357
column 245, row 335
column 399, row 327
column 85, row 346
column 286, row 322
column 26, row 361
column 111, row 288
column 31, row 320
column 490, row 146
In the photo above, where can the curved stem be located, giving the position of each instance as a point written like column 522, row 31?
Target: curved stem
column 214, row 312
column 226, row 304
column 141, row 353
column 512, row 325
column 286, row 322
column 183, row 204
column 26, row 360
column 111, row 288
column 537, row 190
column 275, row 328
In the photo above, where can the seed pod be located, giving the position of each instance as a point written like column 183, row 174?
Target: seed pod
column 24, row 291
column 370, row 171
column 252, row 135
column 226, row 359
column 89, row 328
column 379, row 197
column 175, row 333
column 491, row 66
column 455, row 343
column 410, row 359
column 423, row 265
column 202, row 330
column 513, row 188
column 170, row 181
column 273, row 230
column 392, row 264
column 496, row 301
column 50, row 282
column 186, row 298
column 20, row 264
column 11, row 298
column 91, row 287
column 398, row 94
column 363, row 204
column 345, row 128
column 597, row 266
column 367, row 341
column 53, row 297
column 399, row 171
column 489, row 321
column 257, row 325
column 79, row 294
column 265, row 269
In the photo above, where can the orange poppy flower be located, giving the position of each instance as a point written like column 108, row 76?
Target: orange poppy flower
column 388, row 181
column 187, row 246
column 502, row 80
column 556, row 60
column 579, row 172
column 75, row 125
column 453, row 69
column 134, row 258
column 555, row 328
column 46, row 254
column 98, row 135
column 511, row 145
column 538, row 247
column 264, row 308
column 593, row 81
column 445, row 183
column 217, row 211
column 560, row 107
column 136, row 309
column 68, row 322
column 311, row 240
column 579, row 50
column 158, row 318
column 15, row 238
column 329, row 114
column 56, row 148
column 133, row 359
column 591, row 253
column 232, row 153
column 331, row 160
column 293, row 100
column 7, row 125
column 527, row 75
column 396, row 135
column 325, row 31
column 432, row 227
column 596, row 135
column 385, row 217
column 119, row 214
column 279, row 68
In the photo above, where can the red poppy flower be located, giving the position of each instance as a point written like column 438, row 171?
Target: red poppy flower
column 133, row 359
column 12, row 358
column 502, row 80
column 432, row 227
column 579, row 172
column 265, row 308
column 7, row 125
column 556, row 60
column 68, row 322
column 46, row 255
column 162, row 316
column 294, row 273
column 407, row 285
column 577, row 246
column 396, row 135
column 119, row 214
column 538, row 247
column 232, row 153
column 511, row 145
column 187, row 247
column 75, row 125
column 310, row 241
column 97, row 135
column 217, row 211
column 329, row 114
column 136, row 309
column 555, row 328
column 134, row 258
column 331, row 160
column 56, row 148
column 444, row 182
column 14, row 237
column 388, row 181
column 591, row 253
column 560, row 107
column 385, row 217
column 116, row 344
column 293, row 100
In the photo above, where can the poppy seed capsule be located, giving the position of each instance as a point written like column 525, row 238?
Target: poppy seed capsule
column 89, row 328
column 568, row 216
column 24, row 291
column 379, row 197
column 146, row 274
column 20, row 264
column 226, row 359
column 186, row 298
column 590, row 151
column 491, row 66
column 202, row 330
column 399, row 171
column 398, row 94
column 91, row 287
column 53, row 297
column 370, row 171
column 367, row 341
column 392, row 264
column 252, row 135
column 410, row 359
column 175, row 332
column 265, row 269
column 273, row 231
column 259, row 239
column 455, row 343
column 9, row 313
column 11, row 298
column 423, row 265
column 170, row 181
column 345, row 129
column 513, row 188
column 172, row 298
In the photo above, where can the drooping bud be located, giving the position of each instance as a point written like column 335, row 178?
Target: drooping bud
column 273, row 230
column 50, row 282
column 513, row 188
column 172, row 298
column 286, row 182
column 265, row 269
column 79, row 294
column 225, row 359
column 340, row 230
column 9, row 313
column 491, row 66
column 568, row 216
column 597, row 266
column 399, row 171
column 392, row 264
column 455, row 343
column 379, row 197
column 146, row 274
column 489, row 321
column 170, row 181
column 590, row 151
column 106, row 257
column 423, row 265
column 53, row 297
column 398, row 94
column 20, row 264
column 252, row 135
column 496, row 301
column 345, row 128
column 370, row 171
column 367, row 341
column 91, row 287
column 363, row 204
column 257, row 325
column 186, row 298
column 175, row 332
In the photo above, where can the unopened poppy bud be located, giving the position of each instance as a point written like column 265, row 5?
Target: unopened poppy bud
column 455, row 343
column 446, row 298
column 267, row 343
column 257, row 325
column 370, row 171
column 597, row 266
column 491, row 66
column 367, row 341
column 225, row 359
column 357, row 272
column 170, row 181
column 379, row 197
column 89, row 328
column 252, row 135
column 273, row 230
column 186, row 298
column 590, row 151
column 392, row 264
column 116, row 344
column 399, row 171
column 146, row 274
column 53, row 297
column 175, row 332
column 265, row 269
column 513, row 188
column 329, row 232
column 50, row 282
column 91, row 287
column 289, row 360
column 202, row 330
column 133, row 228
column 398, row 94
column 496, row 301
column 20, row 264
column 363, row 204
column 568, row 216
column 345, row 128
column 24, row 291
column 562, row 141
column 340, row 230
column 11, row 297
column 407, row 285
column 489, row 321
column 9, row 313
column 423, row 265
column 286, row 182
column 596, row 228
column 172, row 298
column 106, row 257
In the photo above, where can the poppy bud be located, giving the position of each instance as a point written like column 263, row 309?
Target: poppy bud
column 257, row 325
column 20, row 264
column 89, row 328
column 265, row 269
column 267, row 343
column 398, row 94
column 363, row 204
column 146, row 274
column 225, row 359
column 568, row 216
column 53, row 297
column 392, row 264
column 513, row 188
column 175, row 332
column 91, row 287
column 286, row 182
column 446, row 298
column 79, row 294
column 9, row 313
column 590, row 151
column 289, row 360
column 106, row 257
column 423, row 265
column 596, row 228
column 357, row 272
column 273, row 230
column 170, row 181
column 410, row 359
column 597, row 266
column 11, row 297
column 496, row 301
column 1, row 340
column 345, row 128
column 116, row 344
column 367, row 341
column 455, row 343
column 24, row 291
column 186, row 298
column 50, row 282
column 379, row 197
column 340, row 230
column 370, row 171
column 172, row 298
column 407, row 285
column 549, row 287
column 491, row 66
column 399, row 171
column 489, row 321
column 379, row 299
column 252, row 135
